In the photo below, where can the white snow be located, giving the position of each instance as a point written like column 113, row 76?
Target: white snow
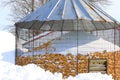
column 91, row 76
column 7, row 47
column 94, row 46
column 84, row 43
column 10, row 71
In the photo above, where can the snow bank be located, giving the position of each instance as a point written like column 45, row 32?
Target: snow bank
column 10, row 71
column 91, row 76
column 7, row 47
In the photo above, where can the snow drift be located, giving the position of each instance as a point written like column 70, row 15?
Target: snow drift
column 7, row 47
column 10, row 71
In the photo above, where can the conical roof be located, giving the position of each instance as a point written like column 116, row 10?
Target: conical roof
column 68, row 15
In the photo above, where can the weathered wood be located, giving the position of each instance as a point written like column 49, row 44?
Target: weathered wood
column 96, row 68
column 98, row 65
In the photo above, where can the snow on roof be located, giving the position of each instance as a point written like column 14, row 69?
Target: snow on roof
column 68, row 9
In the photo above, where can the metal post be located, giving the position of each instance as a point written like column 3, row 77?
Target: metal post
column 114, row 53
column 33, row 47
column 16, row 45
column 33, row 33
column 77, row 49
column 119, row 36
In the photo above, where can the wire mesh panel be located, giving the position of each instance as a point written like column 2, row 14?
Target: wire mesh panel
column 68, row 52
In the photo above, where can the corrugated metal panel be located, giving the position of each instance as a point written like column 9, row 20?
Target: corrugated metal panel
column 67, row 15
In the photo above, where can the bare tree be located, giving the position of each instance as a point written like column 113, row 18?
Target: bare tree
column 102, row 2
column 21, row 8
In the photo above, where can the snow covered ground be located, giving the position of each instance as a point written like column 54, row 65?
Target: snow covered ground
column 7, row 47
column 9, row 71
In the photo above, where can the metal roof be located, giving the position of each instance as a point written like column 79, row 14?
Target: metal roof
column 68, row 15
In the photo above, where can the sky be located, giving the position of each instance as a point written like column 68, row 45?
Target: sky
column 113, row 9
column 5, row 21
column 5, row 16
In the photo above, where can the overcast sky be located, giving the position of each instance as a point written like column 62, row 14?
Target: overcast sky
column 5, row 21
column 4, row 16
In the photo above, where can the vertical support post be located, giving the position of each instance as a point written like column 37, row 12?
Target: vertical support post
column 114, row 52
column 33, row 47
column 77, row 49
column 16, row 39
column 28, row 32
column 119, row 36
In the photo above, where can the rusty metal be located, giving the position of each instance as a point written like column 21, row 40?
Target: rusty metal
column 64, row 13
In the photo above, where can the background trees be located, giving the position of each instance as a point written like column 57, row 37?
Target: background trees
column 21, row 8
